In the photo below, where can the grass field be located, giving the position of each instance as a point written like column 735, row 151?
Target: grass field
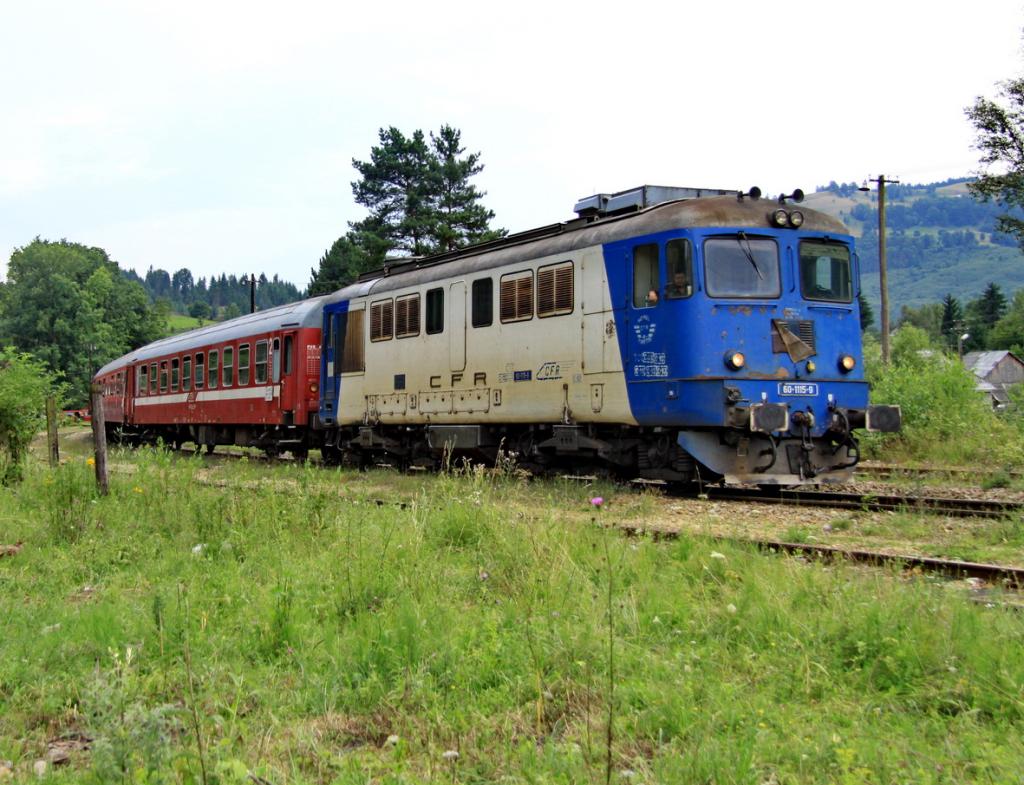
column 211, row 622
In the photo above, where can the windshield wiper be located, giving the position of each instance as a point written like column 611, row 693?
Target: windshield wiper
column 748, row 253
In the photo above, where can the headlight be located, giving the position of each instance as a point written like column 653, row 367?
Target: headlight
column 796, row 219
column 735, row 360
column 811, row 367
column 847, row 363
column 314, row 387
column 780, row 217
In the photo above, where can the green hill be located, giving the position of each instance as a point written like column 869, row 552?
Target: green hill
column 940, row 240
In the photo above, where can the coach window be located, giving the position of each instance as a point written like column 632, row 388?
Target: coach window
column 243, row 364
column 645, row 276
column 175, row 363
column 554, row 290
column 407, row 316
column 152, row 378
column 261, row 362
column 741, row 266
column 435, row 311
column 163, row 376
column 200, row 370
column 515, row 295
column 483, row 302
column 186, row 374
column 212, row 369
column 143, row 380
column 679, row 261
column 382, row 320
column 227, row 368
column 275, row 361
column 288, row 342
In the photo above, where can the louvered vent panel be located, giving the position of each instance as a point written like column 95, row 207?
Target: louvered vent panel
column 805, row 329
column 545, row 292
column 524, row 298
column 563, row 289
column 382, row 320
column 407, row 316
column 516, row 298
column 352, row 352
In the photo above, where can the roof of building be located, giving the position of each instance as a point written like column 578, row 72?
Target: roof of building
column 982, row 363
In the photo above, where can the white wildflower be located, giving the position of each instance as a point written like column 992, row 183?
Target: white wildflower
column 717, row 555
column 731, row 608
column 451, row 755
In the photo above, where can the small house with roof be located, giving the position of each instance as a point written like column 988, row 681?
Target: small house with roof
column 996, row 372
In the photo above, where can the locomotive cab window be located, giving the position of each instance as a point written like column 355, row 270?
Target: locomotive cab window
column 554, row 289
column 516, row 296
column 825, row 272
column 742, row 267
column 483, row 302
column 435, row 311
column 213, row 369
column 645, row 276
column 679, row 264
column 243, row 364
column 227, row 366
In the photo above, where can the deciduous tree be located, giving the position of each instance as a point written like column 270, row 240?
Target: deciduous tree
column 1000, row 127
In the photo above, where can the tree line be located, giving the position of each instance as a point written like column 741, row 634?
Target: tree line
column 991, row 321
column 223, row 296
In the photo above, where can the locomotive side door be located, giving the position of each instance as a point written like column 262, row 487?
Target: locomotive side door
column 648, row 320
column 457, row 325
column 600, row 342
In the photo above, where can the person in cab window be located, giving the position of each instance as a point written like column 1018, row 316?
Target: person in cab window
column 652, row 297
column 680, row 287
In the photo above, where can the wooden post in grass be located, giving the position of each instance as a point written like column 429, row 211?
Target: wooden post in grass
column 51, row 430
column 99, row 439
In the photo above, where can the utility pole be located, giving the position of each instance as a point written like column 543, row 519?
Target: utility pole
column 883, row 276
column 252, row 293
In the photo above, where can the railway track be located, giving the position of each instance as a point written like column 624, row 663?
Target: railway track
column 888, row 471
column 997, row 574
column 870, row 502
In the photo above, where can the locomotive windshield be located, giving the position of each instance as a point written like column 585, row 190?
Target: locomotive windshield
column 742, row 266
column 825, row 271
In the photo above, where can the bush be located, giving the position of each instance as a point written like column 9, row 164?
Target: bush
column 944, row 417
column 24, row 384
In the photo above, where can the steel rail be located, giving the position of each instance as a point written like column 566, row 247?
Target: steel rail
column 1010, row 577
column 870, row 502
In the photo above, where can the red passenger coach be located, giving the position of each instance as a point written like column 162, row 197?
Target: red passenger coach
column 250, row 381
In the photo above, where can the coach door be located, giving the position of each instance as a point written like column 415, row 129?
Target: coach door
column 282, row 369
column 457, row 322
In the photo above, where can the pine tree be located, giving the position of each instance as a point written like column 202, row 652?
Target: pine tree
column 952, row 318
column 398, row 185
column 340, row 266
column 462, row 219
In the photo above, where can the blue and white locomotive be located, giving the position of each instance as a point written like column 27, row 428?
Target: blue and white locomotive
column 666, row 333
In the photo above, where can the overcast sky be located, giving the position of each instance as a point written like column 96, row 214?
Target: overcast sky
column 219, row 136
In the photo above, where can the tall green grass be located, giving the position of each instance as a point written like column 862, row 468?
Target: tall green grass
column 295, row 629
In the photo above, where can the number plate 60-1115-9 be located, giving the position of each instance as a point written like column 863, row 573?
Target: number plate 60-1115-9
column 798, row 388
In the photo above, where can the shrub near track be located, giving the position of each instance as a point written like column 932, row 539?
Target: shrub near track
column 280, row 624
